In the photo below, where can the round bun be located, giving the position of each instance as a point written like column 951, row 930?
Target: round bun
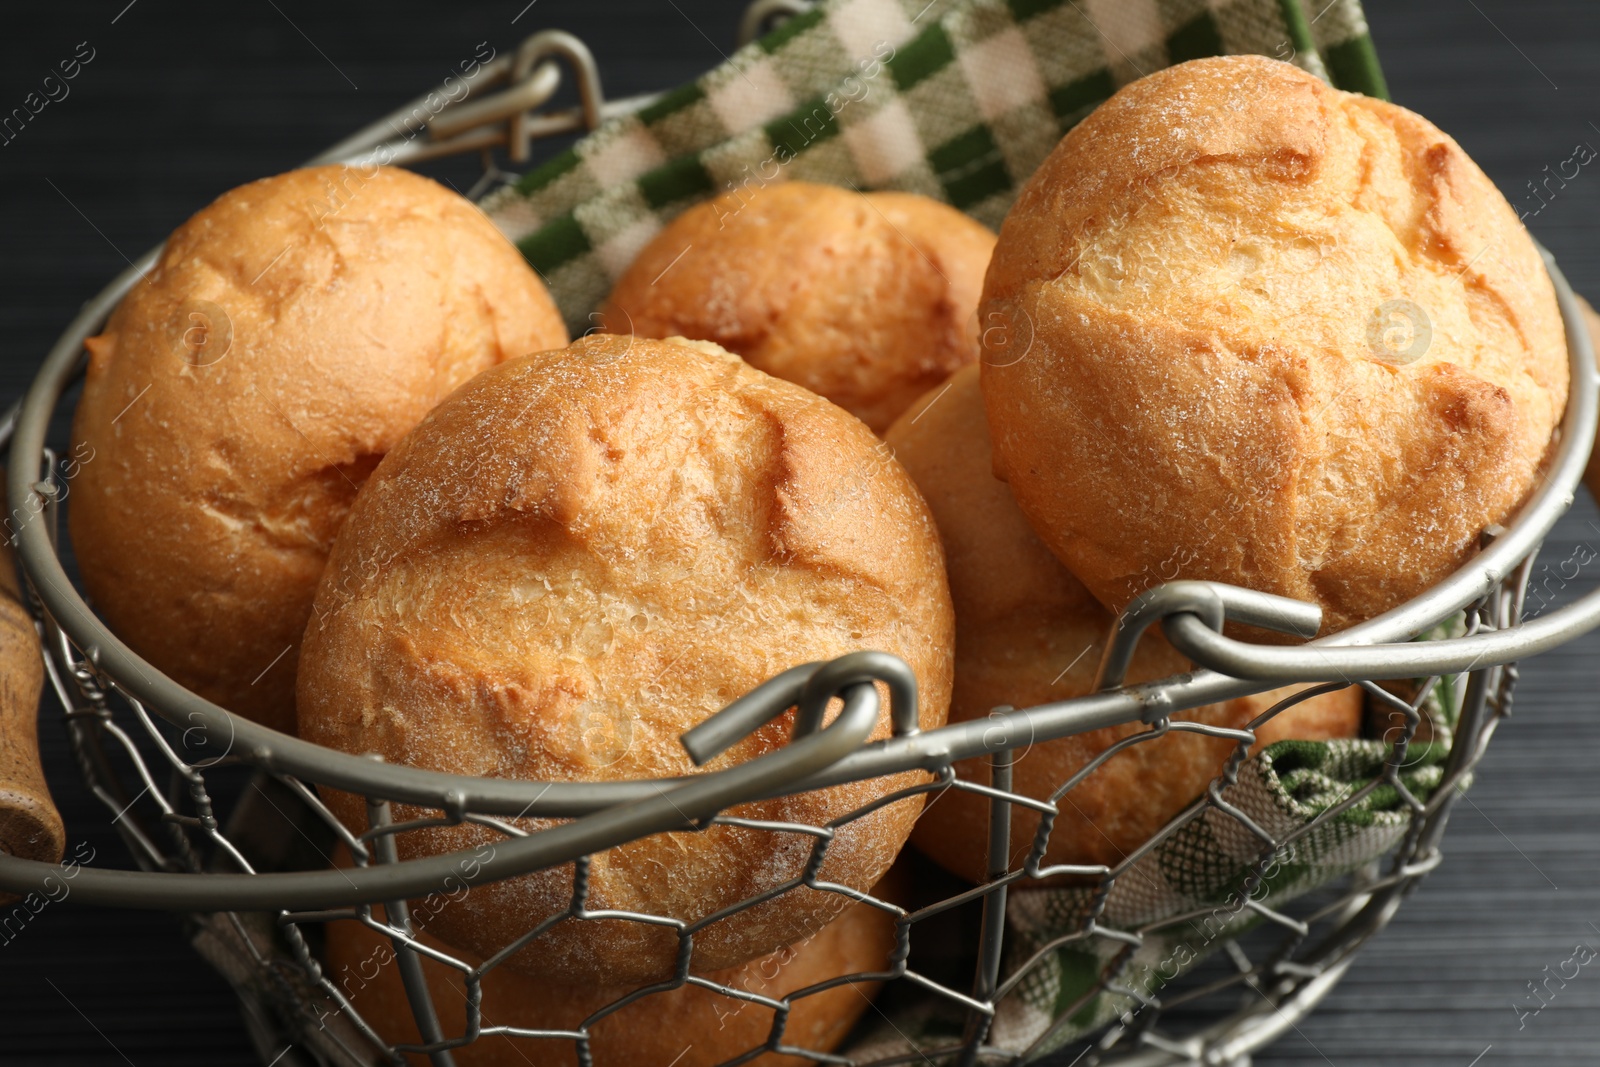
column 1027, row 633
column 30, row 826
column 690, row 1026
column 1255, row 330
column 867, row 299
column 1003, row 580
column 579, row 556
column 291, row 333
column 1591, row 476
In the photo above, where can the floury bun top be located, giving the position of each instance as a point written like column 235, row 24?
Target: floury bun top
column 867, row 299
column 1261, row 331
column 579, row 556
column 289, row 335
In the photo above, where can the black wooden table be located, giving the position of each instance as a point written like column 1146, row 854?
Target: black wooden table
column 180, row 100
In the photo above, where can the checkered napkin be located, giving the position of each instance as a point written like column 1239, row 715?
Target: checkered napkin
column 1202, row 868
column 957, row 99
column 1186, row 898
column 1197, row 889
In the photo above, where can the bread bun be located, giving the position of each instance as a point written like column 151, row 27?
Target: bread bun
column 865, row 298
column 1028, row 633
column 1253, row 329
column 1591, row 476
column 579, row 556
column 30, row 825
column 686, row 1027
column 290, row 334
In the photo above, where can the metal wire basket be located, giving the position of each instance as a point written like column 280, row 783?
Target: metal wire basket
column 224, row 821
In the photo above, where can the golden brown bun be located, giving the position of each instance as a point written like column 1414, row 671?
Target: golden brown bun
column 239, row 397
column 865, row 298
column 686, row 1027
column 1591, row 476
column 30, row 826
column 1185, row 378
column 581, row 555
column 1000, row 572
column 1027, row 633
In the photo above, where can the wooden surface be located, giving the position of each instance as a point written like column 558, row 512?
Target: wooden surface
column 183, row 100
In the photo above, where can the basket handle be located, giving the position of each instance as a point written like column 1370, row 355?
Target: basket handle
column 676, row 805
column 30, row 825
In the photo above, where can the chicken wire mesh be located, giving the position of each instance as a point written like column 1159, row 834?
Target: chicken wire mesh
column 164, row 786
column 1076, row 963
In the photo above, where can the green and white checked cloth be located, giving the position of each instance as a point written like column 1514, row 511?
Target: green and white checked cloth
column 1184, row 899
column 1199, row 887
column 956, row 99
column 961, row 100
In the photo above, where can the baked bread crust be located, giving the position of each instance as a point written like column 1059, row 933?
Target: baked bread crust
column 579, row 556
column 867, row 299
column 1029, row 633
column 291, row 333
column 30, row 826
column 1204, row 364
column 1591, row 474
column 686, row 1027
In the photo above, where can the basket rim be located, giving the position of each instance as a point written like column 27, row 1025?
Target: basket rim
column 280, row 753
